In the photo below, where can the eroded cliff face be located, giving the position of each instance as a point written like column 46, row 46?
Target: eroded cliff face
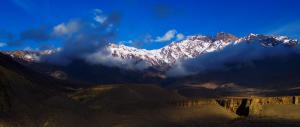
column 253, row 106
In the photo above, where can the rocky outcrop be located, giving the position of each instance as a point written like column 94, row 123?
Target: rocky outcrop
column 252, row 106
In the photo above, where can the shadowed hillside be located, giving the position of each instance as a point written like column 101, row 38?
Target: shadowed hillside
column 31, row 103
column 81, row 71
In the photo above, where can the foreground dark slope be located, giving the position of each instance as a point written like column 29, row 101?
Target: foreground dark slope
column 29, row 99
column 30, row 102
column 31, row 75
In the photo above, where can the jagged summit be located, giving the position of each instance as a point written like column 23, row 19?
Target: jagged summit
column 270, row 41
column 225, row 37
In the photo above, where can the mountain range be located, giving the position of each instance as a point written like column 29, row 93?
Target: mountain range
column 160, row 62
column 167, row 56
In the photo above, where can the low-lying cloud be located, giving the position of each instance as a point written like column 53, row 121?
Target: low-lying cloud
column 105, row 58
column 242, row 53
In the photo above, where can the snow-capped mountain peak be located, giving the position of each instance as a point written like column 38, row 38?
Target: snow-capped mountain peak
column 192, row 47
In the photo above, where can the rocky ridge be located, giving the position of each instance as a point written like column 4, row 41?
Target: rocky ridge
column 253, row 106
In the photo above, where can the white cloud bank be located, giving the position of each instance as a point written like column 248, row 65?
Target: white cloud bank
column 179, row 37
column 66, row 28
column 170, row 35
column 242, row 54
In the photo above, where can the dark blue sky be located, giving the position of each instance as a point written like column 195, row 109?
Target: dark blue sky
column 141, row 19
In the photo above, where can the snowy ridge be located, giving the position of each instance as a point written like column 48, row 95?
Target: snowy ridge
column 168, row 55
column 31, row 55
column 192, row 47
